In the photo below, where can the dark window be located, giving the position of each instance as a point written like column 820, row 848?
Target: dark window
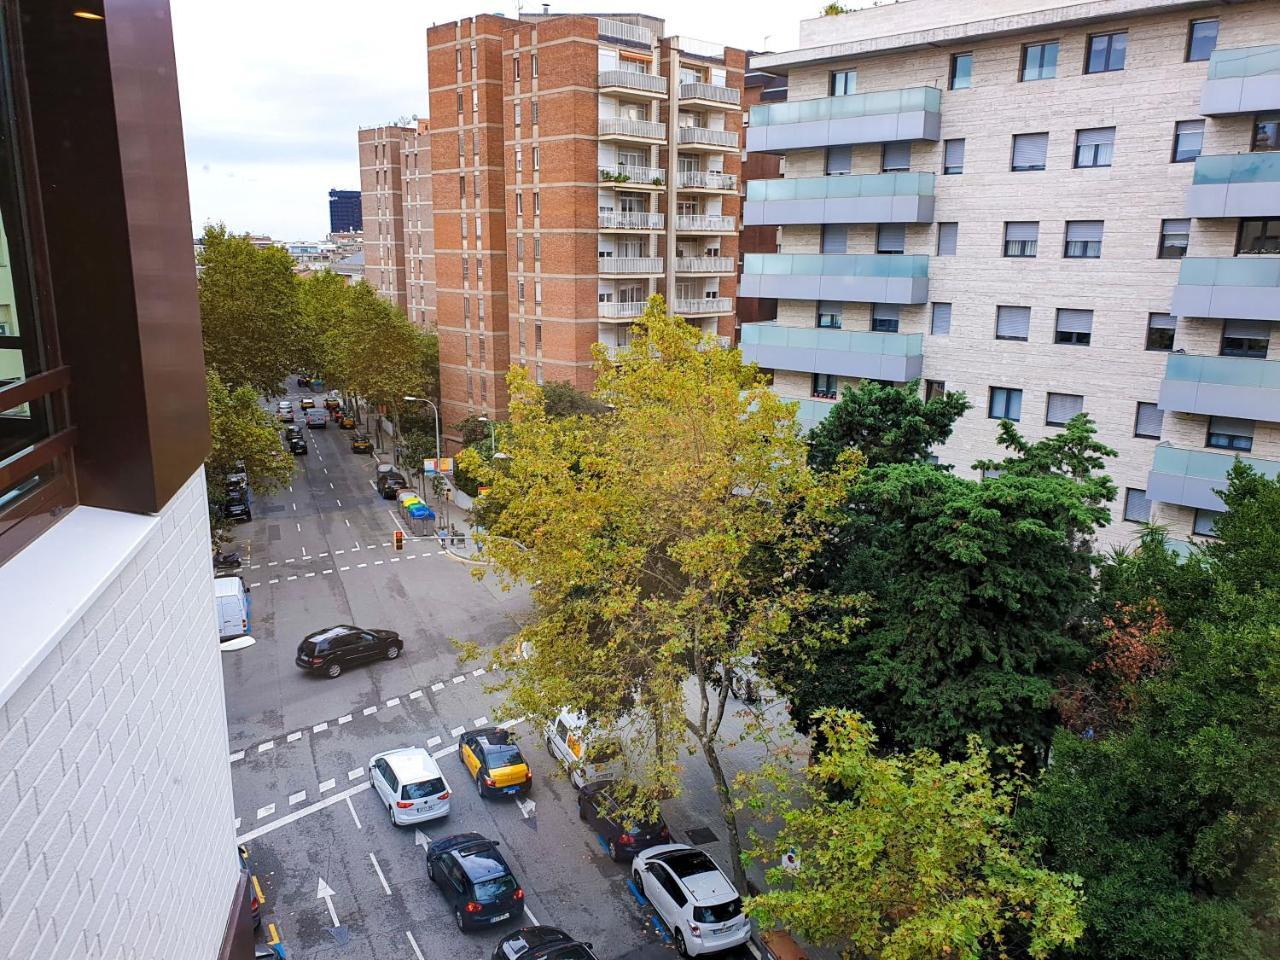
column 1230, row 433
column 1029, row 151
column 1148, row 422
column 1094, row 147
column 891, row 238
column 835, row 238
column 1039, row 61
column 843, row 82
column 1160, row 329
column 1205, row 523
column 1021, row 238
column 1106, row 52
column 1073, row 327
column 961, row 71
column 1013, row 323
column 895, row 157
column 940, row 322
column 953, row 157
column 839, row 161
column 1245, row 338
column 1137, row 508
column 422, row 790
column 1202, row 37
column 1061, row 407
column 947, row 234
column 1083, row 240
column 884, row 317
column 1175, row 235
column 1259, row 236
column 1188, row 140
column 1005, row 404
column 934, row 390
column 830, row 314
column 825, row 386
column 718, row 912
column 1266, row 132
column 495, row 888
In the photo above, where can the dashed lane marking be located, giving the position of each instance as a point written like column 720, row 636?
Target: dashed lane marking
column 355, row 774
column 481, row 721
column 393, row 702
column 273, row 563
column 296, row 735
column 437, row 686
column 368, row 710
column 338, row 553
column 311, row 574
column 478, row 672
column 434, row 741
column 393, row 560
column 361, row 565
column 340, row 569
column 327, row 785
column 320, row 726
column 297, row 798
column 457, row 731
column 264, row 747
column 326, row 572
column 415, row 695
column 268, row 810
column 378, row 869
column 377, row 563
column 252, row 585
column 459, row 679
column 346, row 718
column 292, row 578
column 238, row 755
column 273, row 581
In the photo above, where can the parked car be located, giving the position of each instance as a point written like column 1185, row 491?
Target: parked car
column 390, row 482
column 361, row 444
column 291, row 432
column 236, row 505
column 411, row 785
column 541, row 943
column 623, row 836
column 332, row 403
column 231, row 602
column 284, row 410
column 697, row 902
column 347, row 422
column 298, row 446
column 332, row 650
column 475, row 880
column 316, row 419
column 581, row 753
column 255, row 908
column 494, row 762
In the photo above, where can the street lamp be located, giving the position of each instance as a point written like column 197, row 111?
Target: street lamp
column 493, row 440
column 435, row 411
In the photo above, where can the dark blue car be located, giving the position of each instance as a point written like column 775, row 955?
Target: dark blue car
column 475, row 880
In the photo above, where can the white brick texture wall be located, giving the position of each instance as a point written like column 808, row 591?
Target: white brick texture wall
column 116, row 831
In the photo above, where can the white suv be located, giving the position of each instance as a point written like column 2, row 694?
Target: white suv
column 693, row 897
column 411, row 785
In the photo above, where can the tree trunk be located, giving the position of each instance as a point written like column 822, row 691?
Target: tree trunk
column 728, row 813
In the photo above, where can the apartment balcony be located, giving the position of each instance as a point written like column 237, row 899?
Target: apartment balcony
column 632, row 221
column 914, row 113
column 709, row 95
column 1190, row 477
column 626, row 130
column 620, row 30
column 630, row 266
column 632, row 85
column 1243, row 387
column 869, row 278
column 1243, row 80
column 706, row 265
column 625, row 312
column 847, row 353
column 1239, row 185
column 874, row 198
column 702, row 138
column 1231, row 288
column 629, row 177
column 705, row 223
column 709, row 180
column 702, row 306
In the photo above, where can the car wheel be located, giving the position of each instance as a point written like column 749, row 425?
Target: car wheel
column 393, row 651
column 614, row 855
column 635, row 878
column 479, row 785
column 431, row 871
column 680, row 944
column 457, row 918
column 582, row 810
column 391, row 812
column 334, row 670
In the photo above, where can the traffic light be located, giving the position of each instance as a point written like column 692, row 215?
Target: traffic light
column 399, row 539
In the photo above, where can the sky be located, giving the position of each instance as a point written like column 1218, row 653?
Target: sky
column 273, row 92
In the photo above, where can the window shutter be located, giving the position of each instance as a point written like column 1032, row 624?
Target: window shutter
column 892, row 236
column 941, row 320
column 1062, row 407
column 1022, row 230
column 1089, row 138
column 839, row 160
column 1075, row 321
column 897, row 155
column 954, row 154
column 947, row 239
column 1136, row 506
column 1013, row 322
column 1231, row 425
column 1177, row 226
column 1166, row 321
column 1150, row 421
column 1247, row 329
column 835, row 238
column 1082, row 230
column 1030, row 150
column 830, row 307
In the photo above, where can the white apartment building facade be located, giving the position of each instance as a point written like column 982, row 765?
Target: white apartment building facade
column 1050, row 206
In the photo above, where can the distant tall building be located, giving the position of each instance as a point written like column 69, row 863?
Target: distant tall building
column 399, row 247
column 344, row 211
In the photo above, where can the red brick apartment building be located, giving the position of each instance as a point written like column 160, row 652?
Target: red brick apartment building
column 554, row 141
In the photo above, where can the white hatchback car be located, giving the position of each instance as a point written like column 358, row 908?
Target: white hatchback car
column 698, row 903
column 411, row 785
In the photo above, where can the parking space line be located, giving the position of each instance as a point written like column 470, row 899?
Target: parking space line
column 297, row 798
column 457, row 731
column 393, row 702
column 445, row 751
column 378, row 870
column 264, row 747
column 296, row 735
column 415, row 695
column 433, row 741
column 355, row 774
column 414, row 943
column 266, row 811
column 320, row 726
column 531, row 916
column 368, row 710
column 302, row 812
column 345, row 718
column 352, row 808
column 437, row 686
column 327, row 785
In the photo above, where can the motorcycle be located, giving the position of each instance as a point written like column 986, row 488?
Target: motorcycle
column 226, row 561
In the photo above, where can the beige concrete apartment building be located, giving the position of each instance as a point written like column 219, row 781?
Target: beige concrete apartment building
column 582, row 164
column 1051, row 206
column 395, row 199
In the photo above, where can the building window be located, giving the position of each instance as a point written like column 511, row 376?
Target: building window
column 825, row 386
column 533, row 65
column 473, row 55
column 519, row 156
column 1106, row 52
column 839, row 161
column 1013, row 323
column 537, row 249
column 1137, row 508
column 1005, row 404
column 1160, row 330
column 1202, row 38
column 537, row 203
column 519, row 204
column 458, row 60
column 1083, row 240
column 1148, row 421
column 1188, row 140
column 1258, row 236
column 1175, row 235
column 515, row 66
column 830, row 314
column 835, row 238
column 895, row 157
column 1039, row 61
column 843, row 82
column 1245, row 338
column 953, row 157
column 517, row 114
column 1205, row 523
column 1061, row 407
column 940, row 321
column 1021, row 238
column 1074, row 327
column 934, row 390
column 537, row 291
column 533, row 111
column 1029, row 151
column 884, row 317
column 459, row 102
column 947, row 235
column 537, row 160
column 520, row 290
column 1094, row 147
column 961, row 71
column 1230, row 433
column 1266, row 132
column 891, row 238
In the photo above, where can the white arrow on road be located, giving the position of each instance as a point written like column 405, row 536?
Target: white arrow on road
column 420, row 839
column 526, row 807
column 326, row 891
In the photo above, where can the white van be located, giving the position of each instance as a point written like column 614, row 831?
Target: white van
column 567, row 739
column 231, row 603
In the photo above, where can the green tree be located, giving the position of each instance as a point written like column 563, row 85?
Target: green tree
column 834, row 10
column 324, row 305
column 906, row 857
column 561, row 399
column 661, row 546
column 248, row 311
column 240, row 431
column 886, row 424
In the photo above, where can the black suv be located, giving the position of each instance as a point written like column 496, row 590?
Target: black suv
column 390, row 482
column 332, row 650
column 622, row 837
column 474, row 879
column 236, row 506
column 541, row 943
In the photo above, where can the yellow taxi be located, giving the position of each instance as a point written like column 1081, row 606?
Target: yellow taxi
column 347, row 422
column 495, row 762
column 307, row 403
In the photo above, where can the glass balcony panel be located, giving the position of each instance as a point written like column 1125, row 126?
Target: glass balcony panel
column 1230, row 272
column 1245, row 62
column 1227, row 371
column 839, row 108
column 1238, row 168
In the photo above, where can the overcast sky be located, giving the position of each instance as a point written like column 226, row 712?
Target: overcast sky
column 273, row 91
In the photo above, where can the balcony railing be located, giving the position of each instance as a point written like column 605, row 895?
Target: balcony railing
column 623, row 31
column 630, row 265
column 710, row 223
column 1238, row 168
column 1229, row 271
column 634, row 80
column 872, row 198
column 1191, row 478
column 837, row 265
column 622, row 311
column 705, row 265
column 632, row 221
column 908, row 100
column 706, row 180
column 626, row 127
column 867, row 278
column 625, row 173
column 709, row 138
column 1244, row 62
column 1243, row 80
column 1245, row 387
column 861, row 353
column 913, row 113
column 713, row 92
column 840, row 188
column 685, row 306
column 1238, row 185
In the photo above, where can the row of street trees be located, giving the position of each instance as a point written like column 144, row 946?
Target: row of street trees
column 1021, row 748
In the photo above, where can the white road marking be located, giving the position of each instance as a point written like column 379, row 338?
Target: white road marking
column 238, row 755
column 273, row 581
column 320, row 726
column 344, row 719
column 298, row 525
column 296, row 735
column 326, row 572
column 386, row 544
column 351, row 807
column 355, row 548
column 274, row 563
column 326, row 786
column 433, row 741
column 312, row 574
column 377, row 563
column 481, row 721
column 440, row 553
column 531, row 916
column 325, row 469
column 325, row 554
column 338, row 553
column 237, row 823
column 412, row 556
column 478, row 672
column 445, row 751
column 330, row 484
column 415, row 695
column 291, row 560
column 264, row 747
column 414, row 943
column 355, row 774
column 340, row 569
column 457, row 731
column 266, row 811
column 297, row 798
column 458, row 679
column 255, row 566
column 437, row 686
column 369, row 710
column 293, row 578
column 291, row 488
column 374, row 546
column 252, row 585
column 379, row 871
column 393, row 560
column 295, row 506
column 361, row 565
column 348, row 522
column 393, row 702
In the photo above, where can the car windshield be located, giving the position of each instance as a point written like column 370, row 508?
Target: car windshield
column 718, row 912
column 420, row 791
column 495, row 887
column 689, row 863
column 503, row 755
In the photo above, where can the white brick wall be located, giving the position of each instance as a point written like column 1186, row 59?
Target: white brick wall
column 115, row 792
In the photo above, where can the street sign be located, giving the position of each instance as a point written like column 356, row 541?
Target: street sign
column 432, row 465
column 446, row 464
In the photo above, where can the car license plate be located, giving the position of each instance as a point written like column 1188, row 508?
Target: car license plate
column 500, row 917
column 510, row 789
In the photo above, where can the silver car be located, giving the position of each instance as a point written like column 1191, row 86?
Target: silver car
column 410, row 783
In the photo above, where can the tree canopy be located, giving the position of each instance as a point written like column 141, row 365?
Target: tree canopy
column 241, row 431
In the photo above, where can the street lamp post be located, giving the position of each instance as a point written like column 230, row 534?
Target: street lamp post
column 436, row 411
column 493, row 440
